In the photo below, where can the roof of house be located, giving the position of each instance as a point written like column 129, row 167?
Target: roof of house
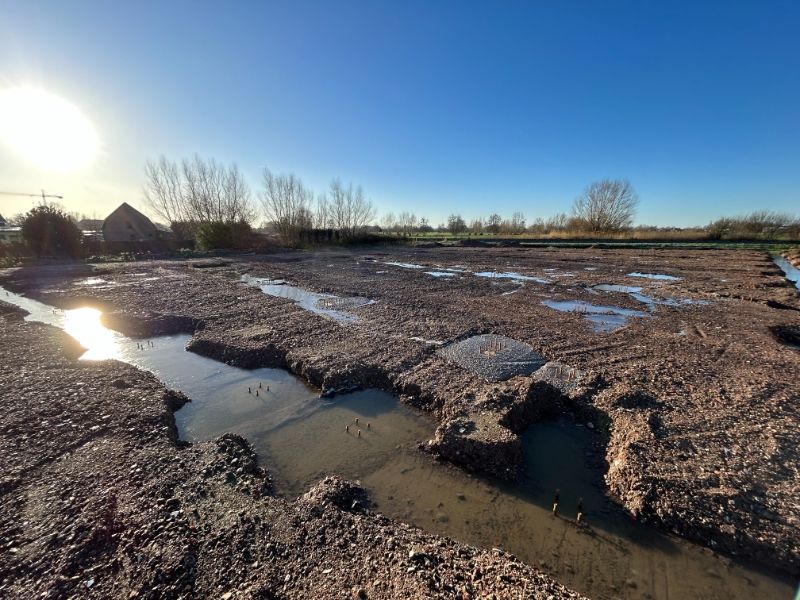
column 134, row 216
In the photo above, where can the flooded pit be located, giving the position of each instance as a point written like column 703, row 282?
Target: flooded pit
column 602, row 318
column 651, row 302
column 328, row 305
column 300, row 437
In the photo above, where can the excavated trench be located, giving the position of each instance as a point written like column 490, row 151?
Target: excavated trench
column 370, row 436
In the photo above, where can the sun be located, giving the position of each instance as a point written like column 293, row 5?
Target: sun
column 46, row 130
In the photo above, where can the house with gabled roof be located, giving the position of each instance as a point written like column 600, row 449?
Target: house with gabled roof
column 126, row 224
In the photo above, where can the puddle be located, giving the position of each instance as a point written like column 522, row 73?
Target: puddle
column 327, row 305
column 659, row 276
column 92, row 281
column 444, row 272
column 441, row 273
column 301, row 437
column 424, row 341
column 405, row 265
column 555, row 272
column 602, row 318
column 792, row 273
column 633, row 291
column 220, row 402
column 511, row 275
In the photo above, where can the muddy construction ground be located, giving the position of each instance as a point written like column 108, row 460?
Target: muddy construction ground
column 99, row 499
column 695, row 395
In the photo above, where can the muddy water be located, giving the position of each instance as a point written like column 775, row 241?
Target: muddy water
column 612, row 557
column 301, row 437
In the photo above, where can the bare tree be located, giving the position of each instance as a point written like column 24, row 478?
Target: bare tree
column 322, row 217
column 389, row 222
column 606, row 205
column 351, row 212
column 476, row 226
column 163, row 189
column 517, row 222
column 557, row 222
column 197, row 191
column 287, row 204
column 406, row 222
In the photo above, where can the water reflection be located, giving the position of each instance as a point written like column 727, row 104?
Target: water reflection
column 84, row 325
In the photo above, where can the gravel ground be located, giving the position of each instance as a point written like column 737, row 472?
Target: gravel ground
column 99, row 499
column 697, row 402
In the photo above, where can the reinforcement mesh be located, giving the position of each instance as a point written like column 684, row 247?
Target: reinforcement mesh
column 493, row 357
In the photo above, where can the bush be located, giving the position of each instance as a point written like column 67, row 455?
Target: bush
column 216, row 235
column 48, row 231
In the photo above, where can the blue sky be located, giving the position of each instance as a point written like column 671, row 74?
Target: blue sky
column 434, row 107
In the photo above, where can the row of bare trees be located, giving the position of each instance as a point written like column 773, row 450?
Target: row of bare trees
column 604, row 206
column 198, row 190
column 290, row 206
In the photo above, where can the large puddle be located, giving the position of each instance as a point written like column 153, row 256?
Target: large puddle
column 602, row 318
column 791, row 272
column 328, row 305
column 370, row 436
column 655, row 276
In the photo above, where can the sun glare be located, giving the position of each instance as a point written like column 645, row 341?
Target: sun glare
column 84, row 325
column 46, row 130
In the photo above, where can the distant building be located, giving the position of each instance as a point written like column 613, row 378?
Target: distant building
column 92, row 229
column 9, row 234
column 126, row 224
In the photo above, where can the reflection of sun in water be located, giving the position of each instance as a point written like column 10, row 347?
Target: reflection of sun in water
column 46, row 130
column 84, row 325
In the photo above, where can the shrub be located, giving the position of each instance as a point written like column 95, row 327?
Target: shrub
column 216, row 235
column 50, row 232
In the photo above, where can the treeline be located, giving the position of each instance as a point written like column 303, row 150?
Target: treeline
column 759, row 225
column 605, row 208
column 205, row 200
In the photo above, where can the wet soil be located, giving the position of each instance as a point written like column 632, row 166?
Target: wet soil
column 696, row 404
column 98, row 498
